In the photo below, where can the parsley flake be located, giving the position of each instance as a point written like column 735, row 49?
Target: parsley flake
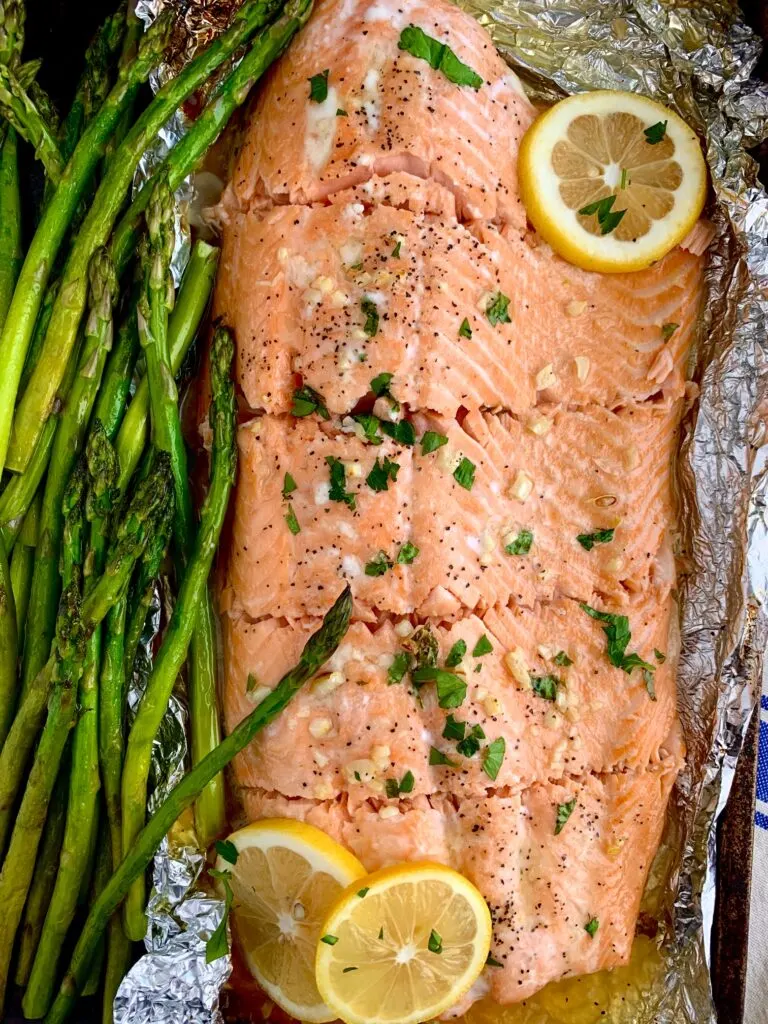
column 431, row 441
column 381, row 473
column 497, row 310
column 650, row 683
column 545, row 686
column 226, row 850
column 362, row 893
column 456, row 654
column 437, row 757
column 451, row 689
column 465, row 331
column 330, row 940
column 378, row 565
column 370, row 425
column 400, row 665
column 490, row 962
column 564, row 811
column 494, row 758
column 306, row 401
column 217, row 945
column 521, row 545
column 561, row 658
column 454, row 729
column 407, row 553
column 252, row 683
column 591, row 927
column 435, row 944
column 394, row 788
column 381, row 934
column 395, row 254
column 483, row 646
column 338, row 491
column 588, row 540
column 439, row 56
column 607, row 218
column 341, row 113
column 464, row 474
column 347, row 970
column 667, row 330
column 618, row 635
column 403, row 431
column 661, row 658
column 318, row 86
column 470, row 745
column 380, row 384
column 655, row 133
column 370, row 309
column 293, row 523
column 289, row 485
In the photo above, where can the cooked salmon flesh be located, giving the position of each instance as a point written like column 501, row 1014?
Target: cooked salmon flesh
column 480, row 439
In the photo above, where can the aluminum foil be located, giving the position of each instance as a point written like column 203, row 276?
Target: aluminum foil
column 697, row 58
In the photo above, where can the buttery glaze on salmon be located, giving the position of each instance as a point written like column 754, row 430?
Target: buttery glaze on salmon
column 480, row 439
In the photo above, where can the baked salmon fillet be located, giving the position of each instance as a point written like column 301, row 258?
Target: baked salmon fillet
column 481, row 440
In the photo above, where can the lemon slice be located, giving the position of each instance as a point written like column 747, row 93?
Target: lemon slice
column 284, row 880
column 403, row 945
column 611, row 180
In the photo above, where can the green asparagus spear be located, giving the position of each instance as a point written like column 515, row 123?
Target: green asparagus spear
column 148, row 503
column 21, row 111
column 66, row 447
column 35, row 405
column 11, row 253
column 38, row 337
column 8, row 648
column 205, row 720
column 111, row 712
column 146, row 578
column 318, row 650
column 55, row 221
column 19, row 863
column 191, row 591
column 44, row 877
column 116, row 382
column 12, row 18
column 101, row 873
column 191, row 303
column 118, row 961
column 22, row 563
column 189, row 151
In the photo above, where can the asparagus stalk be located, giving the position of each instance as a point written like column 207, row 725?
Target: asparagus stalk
column 148, row 504
column 183, row 621
column 189, row 151
column 12, row 18
column 35, row 405
column 191, row 303
column 148, row 574
column 43, row 879
column 22, row 563
column 118, row 962
column 102, row 870
column 55, row 221
column 21, row 111
column 205, row 720
column 320, row 647
column 11, row 253
column 67, row 445
column 8, row 648
column 19, row 863
column 111, row 715
column 38, row 337
column 116, row 382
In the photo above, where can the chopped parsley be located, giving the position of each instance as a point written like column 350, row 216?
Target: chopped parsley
column 464, row 474
column 338, row 491
column 293, row 523
column 435, row 944
column 362, row 893
column 564, row 811
column 370, row 425
column 306, row 401
column 618, row 635
column 395, row 254
column 341, row 113
column 454, row 729
column 330, row 940
column 381, row 934
column 251, row 683
column 650, row 683
column 497, row 310
column 437, row 757
column 607, row 218
column 381, row 473
column 465, row 331
column 588, row 540
column 318, row 86
column 494, row 758
column 380, row 384
column 395, row 788
column 591, row 927
column 439, row 56
column 407, row 553
column 521, row 545
column 289, row 485
column 661, row 658
column 400, row 665
column 490, row 962
column 217, row 945
column 431, row 441
column 483, row 646
column 371, row 325
column 403, row 431
column 561, row 658
column 667, row 330
column 655, row 133
column 470, row 744
column 451, row 689
column 226, row 850
column 545, row 686
column 378, row 565
column 456, row 654
column 347, row 970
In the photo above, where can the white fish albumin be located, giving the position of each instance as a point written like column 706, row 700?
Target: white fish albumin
column 321, row 130
column 322, row 493
column 350, row 567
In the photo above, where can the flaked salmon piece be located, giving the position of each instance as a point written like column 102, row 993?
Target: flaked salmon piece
column 387, row 111
column 463, row 318
column 594, row 474
column 362, row 724
column 543, row 888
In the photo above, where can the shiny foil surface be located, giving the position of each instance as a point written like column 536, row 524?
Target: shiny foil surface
column 697, row 58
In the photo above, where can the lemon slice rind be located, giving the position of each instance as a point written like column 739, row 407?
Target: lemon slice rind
column 558, row 223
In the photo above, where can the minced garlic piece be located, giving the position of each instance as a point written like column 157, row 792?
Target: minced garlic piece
column 515, row 663
column 403, row 628
column 539, row 424
column 521, row 486
column 327, row 683
column 582, row 367
column 363, row 770
column 575, row 308
column 388, row 812
column 546, row 378
column 320, row 727
column 320, row 759
column 492, row 706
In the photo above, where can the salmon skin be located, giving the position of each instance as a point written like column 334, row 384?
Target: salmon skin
column 480, row 439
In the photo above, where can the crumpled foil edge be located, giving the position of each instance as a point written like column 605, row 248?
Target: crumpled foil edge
column 698, row 61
